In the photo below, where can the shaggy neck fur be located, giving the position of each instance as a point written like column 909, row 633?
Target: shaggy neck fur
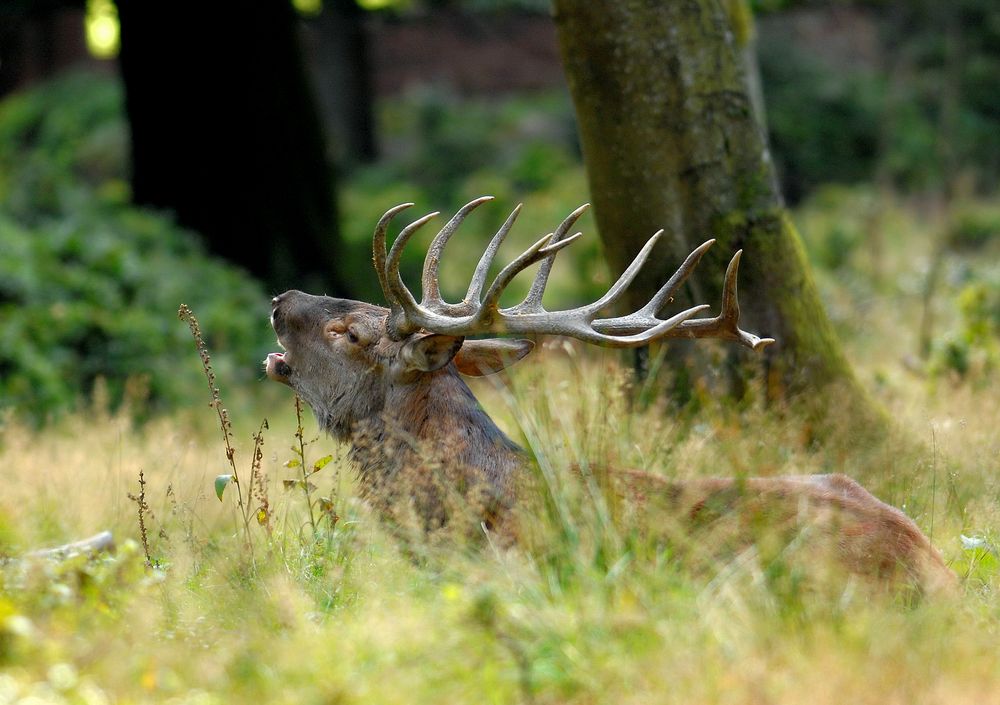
column 432, row 433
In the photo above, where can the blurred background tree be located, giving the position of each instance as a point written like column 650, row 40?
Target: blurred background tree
column 225, row 133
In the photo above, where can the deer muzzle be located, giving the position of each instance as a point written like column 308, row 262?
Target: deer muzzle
column 276, row 367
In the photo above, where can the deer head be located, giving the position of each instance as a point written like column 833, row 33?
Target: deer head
column 335, row 336
column 387, row 380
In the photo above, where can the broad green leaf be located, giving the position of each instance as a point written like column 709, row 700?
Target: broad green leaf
column 293, row 463
column 322, row 463
column 220, row 484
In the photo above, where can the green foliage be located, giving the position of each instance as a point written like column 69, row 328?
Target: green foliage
column 969, row 347
column 440, row 153
column 766, row 6
column 823, row 122
column 834, row 223
column 972, row 348
column 437, row 141
column 485, row 7
column 951, row 53
column 975, row 227
column 928, row 108
column 89, row 285
column 62, row 146
column 865, row 245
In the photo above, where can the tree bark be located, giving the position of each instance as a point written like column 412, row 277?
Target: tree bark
column 225, row 133
column 343, row 78
column 670, row 140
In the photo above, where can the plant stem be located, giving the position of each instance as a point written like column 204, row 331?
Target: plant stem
column 300, row 435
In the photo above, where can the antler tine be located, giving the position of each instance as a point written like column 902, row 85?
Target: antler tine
column 725, row 325
column 543, row 248
column 618, row 288
column 483, row 267
column 729, row 316
column 533, row 301
column 430, row 289
column 667, row 291
column 378, row 247
column 660, row 330
column 730, row 312
column 402, row 300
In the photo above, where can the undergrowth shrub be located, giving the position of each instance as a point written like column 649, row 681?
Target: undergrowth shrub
column 441, row 152
column 975, row 227
column 88, row 284
column 972, row 348
column 823, row 124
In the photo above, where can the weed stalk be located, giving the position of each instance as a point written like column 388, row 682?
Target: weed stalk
column 301, row 452
column 187, row 315
column 142, row 507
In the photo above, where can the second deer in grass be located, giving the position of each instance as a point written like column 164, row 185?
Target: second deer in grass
column 388, row 382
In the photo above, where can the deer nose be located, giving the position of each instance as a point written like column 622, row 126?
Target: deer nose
column 275, row 311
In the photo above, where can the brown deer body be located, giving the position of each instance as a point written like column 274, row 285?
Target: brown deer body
column 388, row 382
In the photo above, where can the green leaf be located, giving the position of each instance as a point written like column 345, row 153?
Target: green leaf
column 220, row 484
column 293, row 463
column 322, row 463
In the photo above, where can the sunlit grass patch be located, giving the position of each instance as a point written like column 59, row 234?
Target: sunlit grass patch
column 584, row 612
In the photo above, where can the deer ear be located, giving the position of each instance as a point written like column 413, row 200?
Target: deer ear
column 430, row 352
column 478, row 358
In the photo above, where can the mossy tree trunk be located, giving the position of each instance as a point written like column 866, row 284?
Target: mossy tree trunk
column 671, row 141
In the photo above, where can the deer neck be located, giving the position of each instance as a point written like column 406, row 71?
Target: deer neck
column 434, row 424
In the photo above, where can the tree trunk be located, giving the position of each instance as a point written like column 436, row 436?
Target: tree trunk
column 338, row 43
column 225, row 133
column 671, row 141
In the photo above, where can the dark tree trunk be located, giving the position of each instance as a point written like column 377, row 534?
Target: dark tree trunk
column 339, row 46
column 225, row 133
column 670, row 140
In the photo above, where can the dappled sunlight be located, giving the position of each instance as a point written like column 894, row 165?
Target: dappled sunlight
column 103, row 29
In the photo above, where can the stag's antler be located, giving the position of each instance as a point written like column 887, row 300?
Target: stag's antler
column 477, row 314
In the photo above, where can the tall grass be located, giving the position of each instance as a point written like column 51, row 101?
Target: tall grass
column 583, row 611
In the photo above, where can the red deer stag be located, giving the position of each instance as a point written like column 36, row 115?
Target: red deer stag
column 388, row 383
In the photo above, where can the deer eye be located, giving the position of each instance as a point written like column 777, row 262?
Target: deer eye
column 335, row 328
column 352, row 336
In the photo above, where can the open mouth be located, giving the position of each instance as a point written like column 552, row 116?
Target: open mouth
column 276, row 367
